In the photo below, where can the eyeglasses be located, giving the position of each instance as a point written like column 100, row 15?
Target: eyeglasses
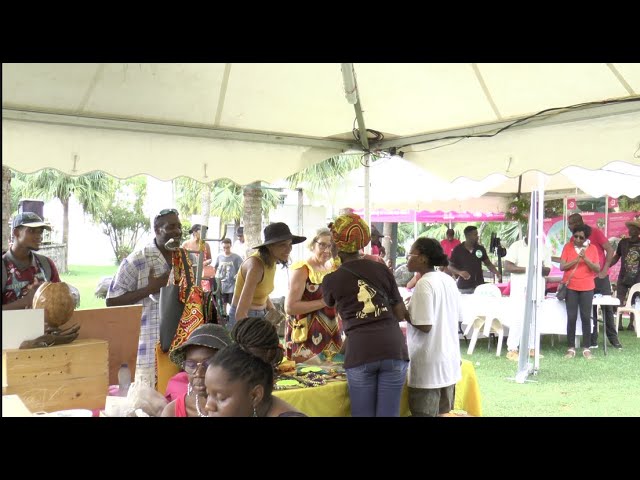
column 578, row 237
column 191, row 366
column 323, row 246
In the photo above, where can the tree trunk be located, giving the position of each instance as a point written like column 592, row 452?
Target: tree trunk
column 6, row 208
column 252, row 214
column 393, row 253
column 206, row 206
column 65, row 233
column 387, row 231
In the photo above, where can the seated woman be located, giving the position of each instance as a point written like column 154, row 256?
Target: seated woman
column 239, row 379
column 194, row 356
column 304, row 301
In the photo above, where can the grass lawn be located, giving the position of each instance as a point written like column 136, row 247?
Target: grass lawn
column 605, row 386
column 86, row 278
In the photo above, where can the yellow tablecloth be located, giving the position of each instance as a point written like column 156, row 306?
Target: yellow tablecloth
column 332, row 399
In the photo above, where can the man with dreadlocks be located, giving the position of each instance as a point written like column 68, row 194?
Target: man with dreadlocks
column 239, row 379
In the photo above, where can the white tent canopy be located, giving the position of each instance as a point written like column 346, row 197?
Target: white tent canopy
column 265, row 121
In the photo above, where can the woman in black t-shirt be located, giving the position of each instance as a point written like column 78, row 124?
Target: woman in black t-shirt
column 366, row 296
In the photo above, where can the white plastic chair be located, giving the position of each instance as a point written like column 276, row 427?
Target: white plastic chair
column 495, row 325
column 628, row 308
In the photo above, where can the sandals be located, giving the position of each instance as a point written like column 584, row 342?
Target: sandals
column 586, row 353
column 571, row 353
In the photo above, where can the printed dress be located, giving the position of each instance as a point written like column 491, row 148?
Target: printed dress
column 325, row 331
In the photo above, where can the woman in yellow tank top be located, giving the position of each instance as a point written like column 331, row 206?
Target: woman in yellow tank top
column 255, row 280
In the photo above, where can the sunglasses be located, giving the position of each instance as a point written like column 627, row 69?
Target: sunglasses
column 167, row 211
column 578, row 237
column 191, row 366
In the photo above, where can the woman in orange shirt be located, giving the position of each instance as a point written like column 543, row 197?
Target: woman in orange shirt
column 580, row 263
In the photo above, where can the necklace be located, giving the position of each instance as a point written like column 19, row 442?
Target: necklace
column 200, row 414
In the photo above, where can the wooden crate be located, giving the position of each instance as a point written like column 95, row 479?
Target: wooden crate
column 60, row 377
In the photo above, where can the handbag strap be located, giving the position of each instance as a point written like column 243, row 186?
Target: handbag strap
column 187, row 270
column 571, row 276
column 381, row 291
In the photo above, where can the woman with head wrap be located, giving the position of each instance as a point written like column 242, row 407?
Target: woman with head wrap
column 323, row 332
column 194, row 355
column 239, row 379
column 255, row 280
column 366, row 296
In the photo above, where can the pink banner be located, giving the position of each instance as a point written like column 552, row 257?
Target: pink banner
column 424, row 216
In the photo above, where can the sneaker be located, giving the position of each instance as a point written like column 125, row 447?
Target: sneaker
column 513, row 355
column 587, row 354
column 593, row 346
column 620, row 327
column 617, row 345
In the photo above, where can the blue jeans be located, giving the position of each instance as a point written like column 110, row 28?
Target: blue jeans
column 375, row 388
column 251, row 313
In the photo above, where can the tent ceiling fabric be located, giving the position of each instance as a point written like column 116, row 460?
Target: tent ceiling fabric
column 253, row 122
column 398, row 184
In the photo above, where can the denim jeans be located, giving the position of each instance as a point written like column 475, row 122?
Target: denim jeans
column 375, row 388
column 250, row 313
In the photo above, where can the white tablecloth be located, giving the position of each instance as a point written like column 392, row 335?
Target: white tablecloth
column 552, row 316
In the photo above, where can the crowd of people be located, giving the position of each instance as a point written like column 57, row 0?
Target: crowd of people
column 340, row 300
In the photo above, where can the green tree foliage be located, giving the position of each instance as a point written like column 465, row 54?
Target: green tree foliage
column 88, row 189
column 226, row 199
column 627, row 204
column 121, row 215
column 320, row 178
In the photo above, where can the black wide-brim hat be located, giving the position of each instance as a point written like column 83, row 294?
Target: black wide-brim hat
column 278, row 232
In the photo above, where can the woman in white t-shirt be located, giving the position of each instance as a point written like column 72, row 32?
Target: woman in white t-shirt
column 432, row 335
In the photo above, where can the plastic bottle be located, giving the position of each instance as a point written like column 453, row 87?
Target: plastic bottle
column 124, row 380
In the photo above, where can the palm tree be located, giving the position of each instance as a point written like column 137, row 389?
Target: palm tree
column 89, row 190
column 225, row 199
column 320, row 178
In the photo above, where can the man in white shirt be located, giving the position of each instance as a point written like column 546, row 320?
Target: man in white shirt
column 240, row 247
column 515, row 263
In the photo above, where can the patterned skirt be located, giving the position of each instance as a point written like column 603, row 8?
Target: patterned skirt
column 325, row 334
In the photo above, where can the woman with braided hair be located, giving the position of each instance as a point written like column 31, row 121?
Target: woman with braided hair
column 239, row 379
column 193, row 356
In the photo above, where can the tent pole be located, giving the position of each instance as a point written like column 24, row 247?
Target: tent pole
column 606, row 216
column 352, row 90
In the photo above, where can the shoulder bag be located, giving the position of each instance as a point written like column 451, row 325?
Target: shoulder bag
column 561, row 293
column 170, row 308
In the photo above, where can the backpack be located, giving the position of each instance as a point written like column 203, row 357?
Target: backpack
column 42, row 260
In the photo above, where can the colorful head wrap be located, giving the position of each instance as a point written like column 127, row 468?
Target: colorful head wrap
column 350, row 233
